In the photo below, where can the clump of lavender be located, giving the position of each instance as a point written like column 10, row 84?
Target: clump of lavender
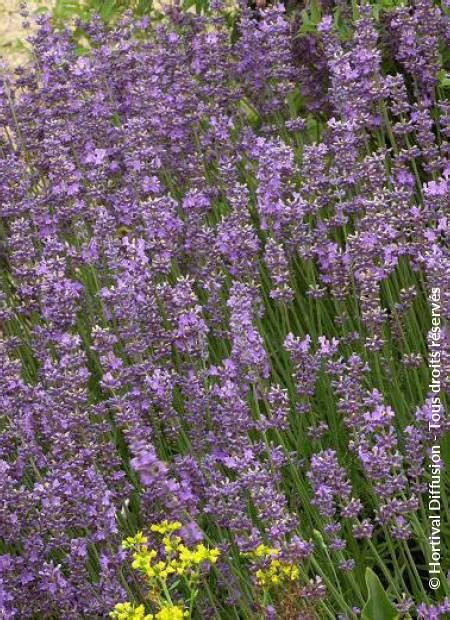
column 218, row 247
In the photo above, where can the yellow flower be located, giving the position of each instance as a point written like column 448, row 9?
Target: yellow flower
column 203, row 554
column 178, row 567
column 142, row 560
column 275, row 580
column 171, row 612
column 214, row 555
column 165, row 527
column 185, row 555
column 127, row 611
column 291, row 571
column 171, row 543
column 260, row 577
column 134, row 541
column 160, row 570
column 276, row 573
column 265, row 551
column 200, row 554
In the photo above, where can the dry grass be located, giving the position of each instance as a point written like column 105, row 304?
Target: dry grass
column 12, row 33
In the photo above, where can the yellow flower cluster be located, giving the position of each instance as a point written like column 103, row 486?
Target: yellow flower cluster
column 276, row 570
column 127, row 611
column 179, row 558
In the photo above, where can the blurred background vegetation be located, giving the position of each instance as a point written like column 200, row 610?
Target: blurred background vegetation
column 13, row 34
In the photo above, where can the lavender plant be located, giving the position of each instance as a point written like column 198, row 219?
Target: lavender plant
column 218, row 249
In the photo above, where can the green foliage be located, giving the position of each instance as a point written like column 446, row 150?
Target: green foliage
column 109, row 10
